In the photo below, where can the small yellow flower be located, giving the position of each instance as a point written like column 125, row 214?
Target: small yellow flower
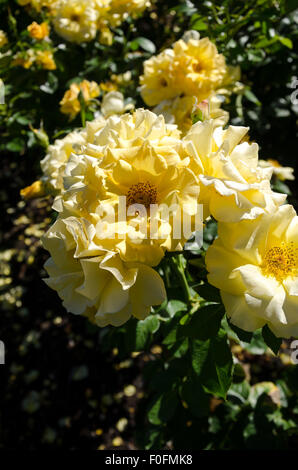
column 90, row 90
column 25, row 60
column 108, row 86
column 38, row 31
column 45, row 59
column 70, row 103
column 106, row 36
column 281, row 172
column 36, row 189
column 3, row 38
column 255, row 266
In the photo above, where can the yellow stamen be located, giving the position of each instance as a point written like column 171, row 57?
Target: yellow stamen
column 142, row 193
column 280, row 261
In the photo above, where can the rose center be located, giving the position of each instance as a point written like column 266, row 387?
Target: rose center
column 142, row 193
column 280, row 261
column 197, row 67
column 75, row 18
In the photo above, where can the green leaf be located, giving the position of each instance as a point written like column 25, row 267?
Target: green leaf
column 16, row 145
column 194, row 396
column 199, row 354
column 205, row 322
column 209, row 292
column 245, row 336
column 212, row 361
column 162, row 408
column 285, row 42
column 270, row 339
column 144, row 331
column 146, row 44
column 251, row 97
column 175, row 306
column 199, row 25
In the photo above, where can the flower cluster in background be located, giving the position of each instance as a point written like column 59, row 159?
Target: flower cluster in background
column 81, row 20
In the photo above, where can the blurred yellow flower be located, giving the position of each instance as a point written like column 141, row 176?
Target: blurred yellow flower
column 255, row 265
column 76, row 20
column 39, row 31
column 3, row 38
column 281, row 172
column 35, row 190
column 106, row 36
column 121, row 9
column 45, row 59
column 97, row 284
column 193, row 67
column 24, row 59
column 108, row 86
column 38, row 4
column 233, row 186
column 70, row 103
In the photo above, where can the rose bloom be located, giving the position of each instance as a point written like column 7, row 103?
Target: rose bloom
column 193, row 67
column 24, row 59
column 38, row 31
column 45, row 59
column 76, row 20
column 182, row 110
column 255, row 266
column 36, row 189
column 121, row 9
column 140, row 158
column 3, row 38
column 70, row 103
column 97, row 284
column 232, row 185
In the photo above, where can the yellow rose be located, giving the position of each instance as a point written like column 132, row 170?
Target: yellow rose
column 140, row 158
column 76, row 20
column 35, row 190
column 182, row 110
column 3, row 38
column 106, row 36
column 255, row 266
column 38, row 31
column 70, row 103
column 45, row 59
column 121, row 9
column 233, row 186
column 24, row 59
column 100, row 286
column 192, row 68
column 90, row 90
